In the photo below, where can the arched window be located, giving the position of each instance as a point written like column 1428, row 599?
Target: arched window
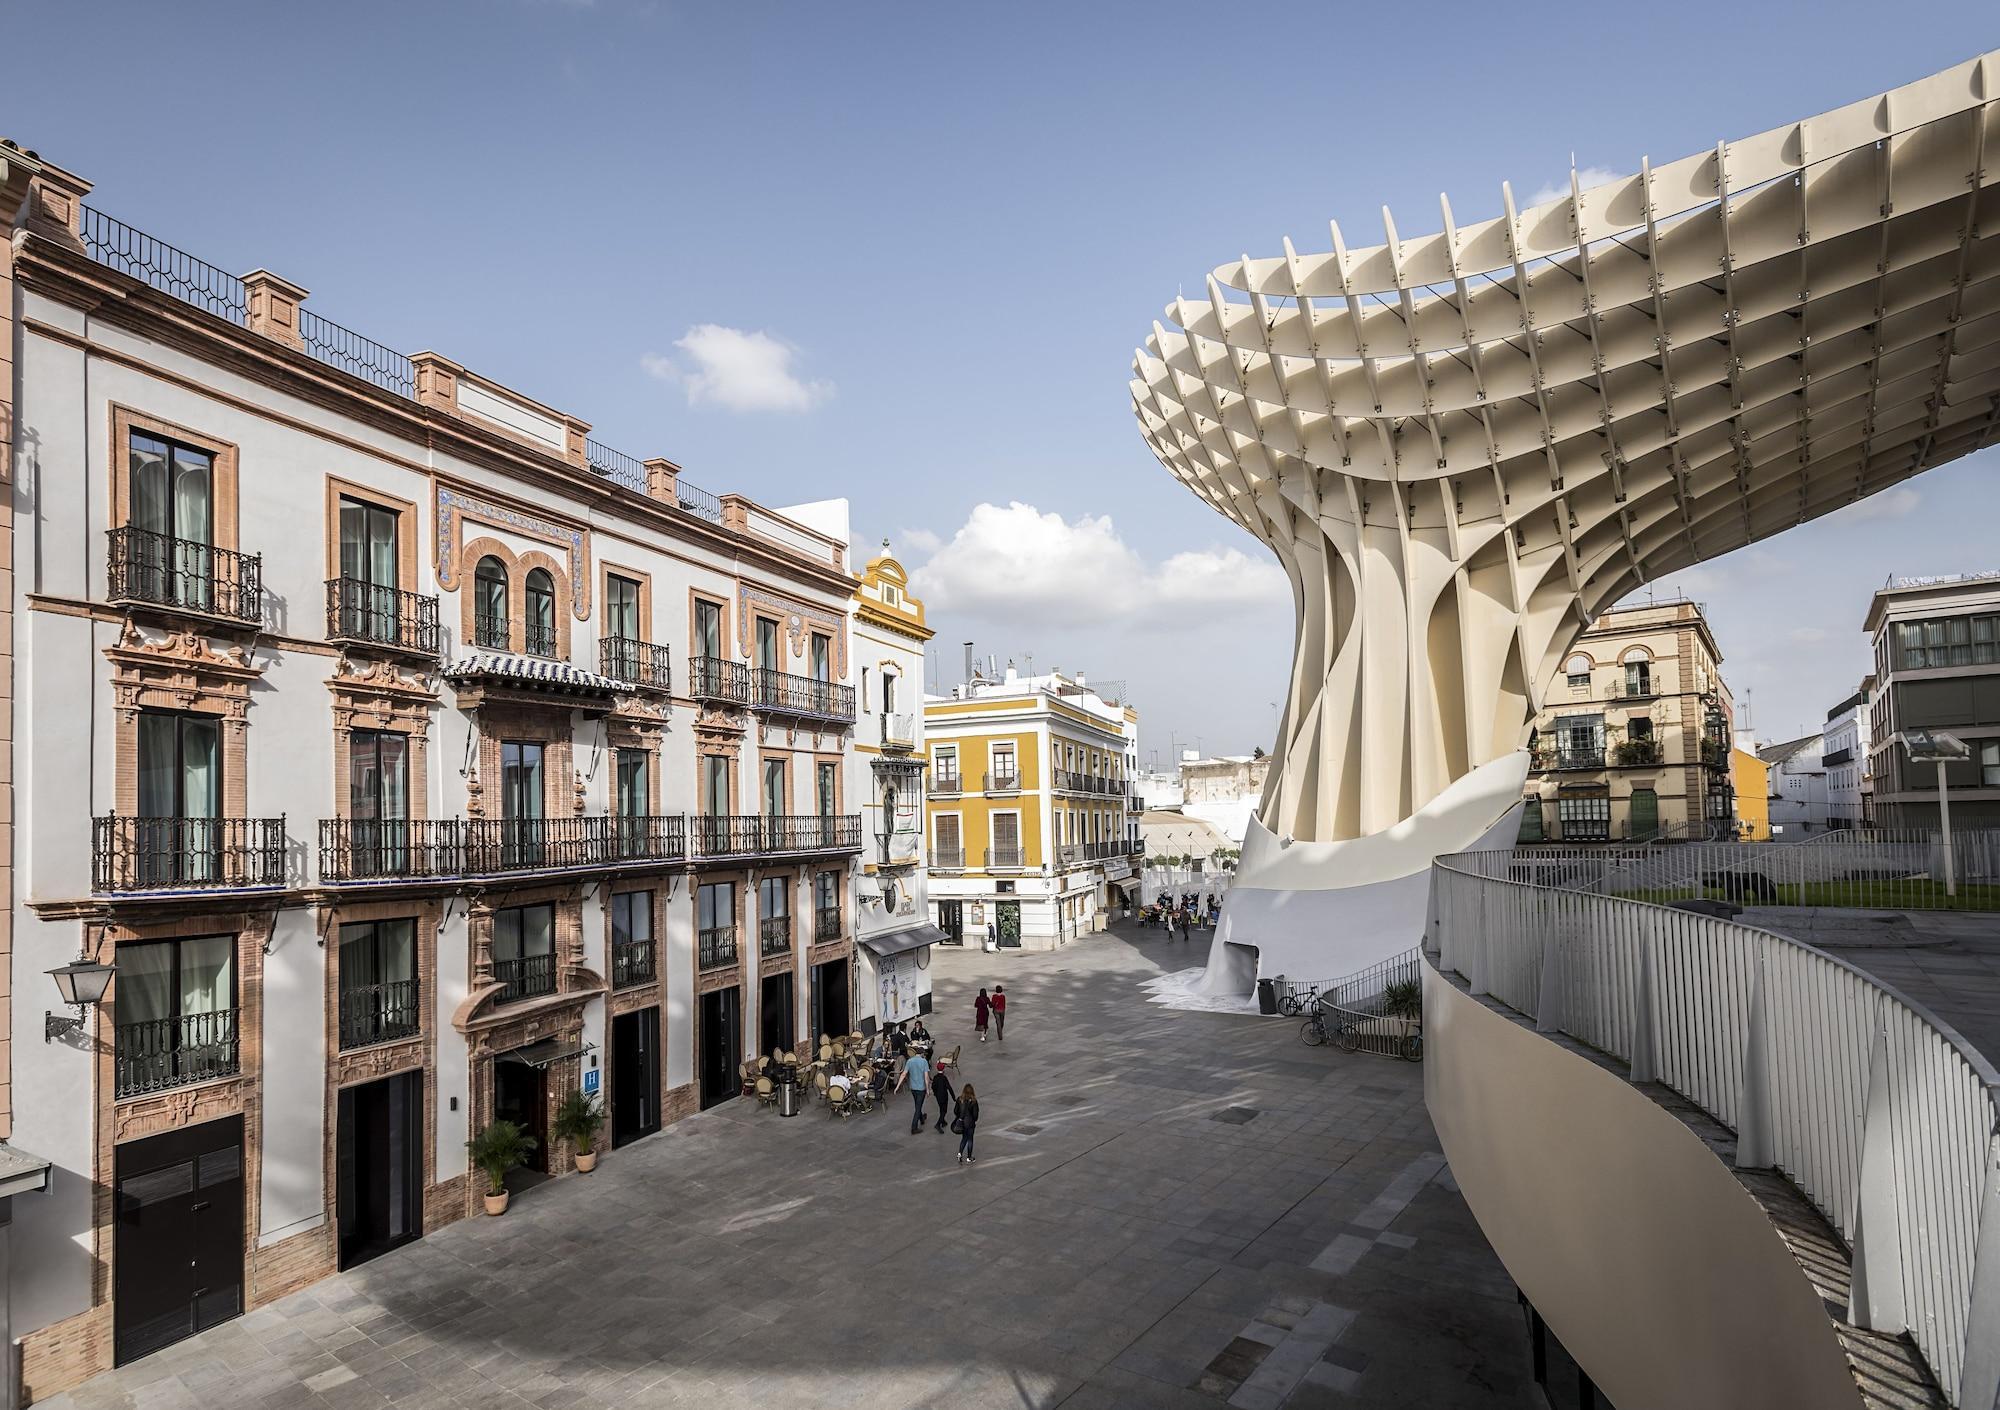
column 1638, row 672
column 540, row 627
column 489, row 603
column 1576, row 671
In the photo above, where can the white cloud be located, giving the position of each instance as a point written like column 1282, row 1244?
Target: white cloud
column 1010, row 563
column 921, row 541
column 738, row 371
column 1586, row 177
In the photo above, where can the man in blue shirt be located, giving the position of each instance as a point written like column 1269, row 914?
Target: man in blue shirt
column 917, row 1073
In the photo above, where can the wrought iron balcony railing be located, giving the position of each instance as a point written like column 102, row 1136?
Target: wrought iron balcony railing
column 381, row 616
column 489, row 633
column 1073, row 781
column 805, row 696
column 528, row 977
column 713, row 678
column 1636, row 753
column 174, row 854
column 538, row 639
column 774, row 934
column 161, row 571
column 947, row 858
column 1004, row 857
column 715, row 947
column 378, row 1013
column 633, row 962
column 648, row 837
column 826, row 923
column 1577, row 759
column 1642, row 689
column 156, row 1054
column 352, row 849
column 944, row 783
column 1003, row 781
column 639, row 663
column 782, row 834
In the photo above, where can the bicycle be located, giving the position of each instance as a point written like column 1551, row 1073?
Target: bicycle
column 1313, row 1031
column 1295, row 1002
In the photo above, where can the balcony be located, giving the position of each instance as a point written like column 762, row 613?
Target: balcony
column 359, row 850
column 774, row 935
column 528, row 977
column 1003, row 781
column 947, row 859
column 637, row 663
column 365, row 614
column 776, row 834
column 713, row 678
column 1641, row 689
column 1071, row 781
column 1546, row 758
column 899, row 731
column 715, row 947
column 1714, row 754
column 633, row 962
column 1838, row 756
column 1005, row 858
column 1637, row 753
column 378, row 1013
column 945, row 784
column 803, row 696
column 155, row 570
column 161, row 1053
column 185, row 854
column 826, row 924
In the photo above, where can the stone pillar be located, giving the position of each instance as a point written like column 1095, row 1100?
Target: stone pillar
column 437, row 380
column 575, row 435
column 273, row 305
column 663, row 479
column 56, row 211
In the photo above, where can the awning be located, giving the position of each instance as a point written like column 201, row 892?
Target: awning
column 545, row 1053
column 536, row 671
column 897, row 942
column 20, row 1172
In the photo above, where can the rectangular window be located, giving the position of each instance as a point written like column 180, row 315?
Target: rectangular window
column 378, row 799
column 170, row 528
column 632, row 955
column 1584, row 819
column 367, row 597
column 774, row 788
column 822, row 657
column 524, row 951
column 767, row 644
column 1989, row 764
column 175, row 1013
column 707, row 629
column 1004, row 775
column 774, row 915
column 715, row 784
column 1578, row 680
column 828, row 788
column 950, row 851
column 888, row 693
column 715, row 924
column 179, row 831
column 621, row 627
column 522, row 833
column 826, row 905
column 944, row 766
column 378, row 982
column 634, row 803
column 1006, row 839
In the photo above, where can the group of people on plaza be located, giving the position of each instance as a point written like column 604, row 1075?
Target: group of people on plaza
column 1183, row 912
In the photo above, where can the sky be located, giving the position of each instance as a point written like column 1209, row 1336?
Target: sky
column 903, row 253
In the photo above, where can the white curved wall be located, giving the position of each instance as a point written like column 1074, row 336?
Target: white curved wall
column 1657, row 1270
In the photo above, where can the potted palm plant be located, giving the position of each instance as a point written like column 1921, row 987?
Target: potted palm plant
column 496, row 1150
column 578, row 1120
column 1403, row 1003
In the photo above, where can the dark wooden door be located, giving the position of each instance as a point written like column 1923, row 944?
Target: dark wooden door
column 775, row 1021
column 378, row 1156
column 635, row 1075
column 721, row 1039
column 179, row 1236
column 951, row 920
column 521, row 1095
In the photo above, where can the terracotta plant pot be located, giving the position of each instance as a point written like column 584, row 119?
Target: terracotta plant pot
column 586, row 1161
column 497, row 1204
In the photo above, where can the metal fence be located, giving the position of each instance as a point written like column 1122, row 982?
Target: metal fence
column 1880, row 1115
column 1873, row 869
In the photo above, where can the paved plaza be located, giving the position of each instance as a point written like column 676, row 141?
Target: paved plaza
column 1169, row 1210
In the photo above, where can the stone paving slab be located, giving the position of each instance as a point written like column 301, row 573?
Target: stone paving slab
column 1150, row 1223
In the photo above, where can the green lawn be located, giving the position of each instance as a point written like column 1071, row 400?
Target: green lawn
column 1903, row 894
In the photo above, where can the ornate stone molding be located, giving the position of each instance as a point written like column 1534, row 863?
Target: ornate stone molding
column 799, row 619
column 453, row 506
column 179, row 671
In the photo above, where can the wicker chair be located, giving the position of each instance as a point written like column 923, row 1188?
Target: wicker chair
column 767, row 1092
column 837, row 1103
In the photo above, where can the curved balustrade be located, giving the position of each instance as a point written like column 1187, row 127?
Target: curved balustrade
column 1879, row 1114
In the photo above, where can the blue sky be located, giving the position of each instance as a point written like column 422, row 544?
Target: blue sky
column 903, row 252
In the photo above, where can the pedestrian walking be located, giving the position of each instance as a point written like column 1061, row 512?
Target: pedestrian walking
column 982, row 1008
column 999, row 1013
column 966, row 1122
column 917, row 1074
column 941, row 1089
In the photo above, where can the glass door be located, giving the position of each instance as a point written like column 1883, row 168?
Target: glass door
column 621, row 624
column 180, row 797
column 634, row 801
column 521, row 835
column 171, row 558
column 378, row 802
column 368, row 576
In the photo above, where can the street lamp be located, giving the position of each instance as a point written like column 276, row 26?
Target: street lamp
column 81, row 983
column 1935, row 746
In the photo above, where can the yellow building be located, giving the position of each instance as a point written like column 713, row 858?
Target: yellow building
column 1033, row 834
column 1752, row 777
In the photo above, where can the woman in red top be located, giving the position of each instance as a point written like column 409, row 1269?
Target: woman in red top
column 999, row 1013
column 981, row 1006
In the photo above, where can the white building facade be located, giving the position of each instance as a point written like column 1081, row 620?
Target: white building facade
column 414, row 761
column 1844, row 758
column 1799, row 801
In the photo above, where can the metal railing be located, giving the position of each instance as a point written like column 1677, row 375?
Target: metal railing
column 698, row 502
column 354, row 849
column 1569, row 759
column 1636, row 753
column 715, row 946
column 635, row 662
column 538, row 639
column 1004, row 857
column 1636, row 690
column 174, row 272
column 175, row 854
column 489, row 632
column 1071, row 781
column 1007, row 782
column 713, row 678
column 899, row 731
column 948, row 858
column 1880, row 1115
column 156, row 1054
column 802, row 695
column 1859, row 870
column 615, row 465
column 774, row 935
column 826, row 923
column 362, row 357
column 528, row 977
column 775, row 834
column 378, row 1013
column 942, row 783
column 381, row 616
column 163, row 571
column 632, row 962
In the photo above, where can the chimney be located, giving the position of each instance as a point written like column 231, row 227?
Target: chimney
column 1012, row 674
column 970, row 670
